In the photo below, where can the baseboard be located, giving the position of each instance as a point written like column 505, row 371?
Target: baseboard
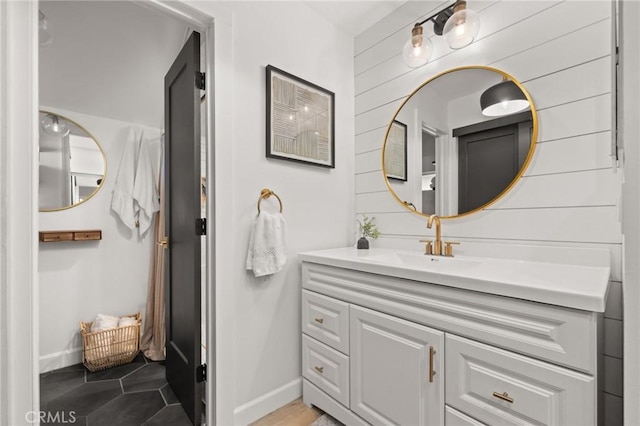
column 60, row 359
column 265, row 404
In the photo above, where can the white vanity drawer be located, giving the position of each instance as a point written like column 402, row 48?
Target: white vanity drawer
column 326, row 368
column 499, row 387
column 326, row 319
column 453, row 417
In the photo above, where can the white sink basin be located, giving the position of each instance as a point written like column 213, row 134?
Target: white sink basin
column 440, row 264
column 569, row 285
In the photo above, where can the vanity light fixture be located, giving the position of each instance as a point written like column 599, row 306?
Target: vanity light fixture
column 45, row 38
column 455, row 22
column 417, row 51
column 503, row 98
column 54, row 126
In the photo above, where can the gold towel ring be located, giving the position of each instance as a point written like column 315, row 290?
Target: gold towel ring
column 266, row 193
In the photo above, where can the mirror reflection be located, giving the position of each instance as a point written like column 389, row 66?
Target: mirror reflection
column 459, row 142
column 72, row 164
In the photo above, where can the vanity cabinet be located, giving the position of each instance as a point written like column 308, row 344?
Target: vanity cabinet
column 383, row 350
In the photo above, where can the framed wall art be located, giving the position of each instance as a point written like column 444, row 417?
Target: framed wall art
column 395, row 152
column 300, row 120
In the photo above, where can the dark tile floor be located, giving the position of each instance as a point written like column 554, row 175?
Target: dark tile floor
column 129, row 395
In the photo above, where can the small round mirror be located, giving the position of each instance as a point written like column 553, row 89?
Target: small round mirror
column 459, row 142
column 72, row 165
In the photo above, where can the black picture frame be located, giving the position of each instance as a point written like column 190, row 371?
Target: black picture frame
column 300, row 121
column 395, row 152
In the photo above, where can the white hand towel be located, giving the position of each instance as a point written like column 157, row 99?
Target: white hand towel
column 104, row 322
column 122, row 201
column 267, row 251
column 145, row 189
column 126, row 320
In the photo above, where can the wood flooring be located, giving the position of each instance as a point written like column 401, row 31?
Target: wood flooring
column 294, row 413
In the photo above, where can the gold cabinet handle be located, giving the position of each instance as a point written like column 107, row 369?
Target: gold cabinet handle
column 503, row 396
column 432, row 372
column 319, row 369
column 319, row 320
column 164, row 242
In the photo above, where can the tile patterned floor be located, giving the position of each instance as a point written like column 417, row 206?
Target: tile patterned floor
column 134, row 394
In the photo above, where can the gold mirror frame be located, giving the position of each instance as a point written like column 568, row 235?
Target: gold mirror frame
column 534, row 136
column 104, row 161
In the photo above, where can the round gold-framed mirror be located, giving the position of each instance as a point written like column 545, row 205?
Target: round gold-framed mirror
column 459, row 142
column 72, row 164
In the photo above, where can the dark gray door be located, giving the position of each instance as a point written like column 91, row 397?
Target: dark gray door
column 182, row 183
column 490, row 155
column 488, row 162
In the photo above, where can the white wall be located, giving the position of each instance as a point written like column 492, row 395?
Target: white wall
column 81, row 279
column 258, row 320
column 569, row 196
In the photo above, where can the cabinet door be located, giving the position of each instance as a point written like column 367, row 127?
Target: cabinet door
column 397, row 370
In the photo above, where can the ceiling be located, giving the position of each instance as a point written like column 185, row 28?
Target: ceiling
column 109, row 58
column 353, row 17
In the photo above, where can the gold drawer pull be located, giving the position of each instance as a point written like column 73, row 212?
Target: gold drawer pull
column 503, row 396
column 319, row 320
column 432, row 372
column 319, row 369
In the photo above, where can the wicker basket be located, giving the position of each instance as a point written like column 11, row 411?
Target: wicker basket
column 109, row 348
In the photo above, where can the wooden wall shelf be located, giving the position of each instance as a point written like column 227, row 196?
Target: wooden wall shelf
column 83, row 235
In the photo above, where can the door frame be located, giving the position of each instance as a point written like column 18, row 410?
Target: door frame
column 19, row 317
column 19, row 299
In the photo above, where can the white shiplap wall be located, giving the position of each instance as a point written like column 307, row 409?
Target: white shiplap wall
column 569, row 196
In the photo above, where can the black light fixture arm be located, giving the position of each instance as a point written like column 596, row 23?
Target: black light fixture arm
column 440, row 17
column 436, row 14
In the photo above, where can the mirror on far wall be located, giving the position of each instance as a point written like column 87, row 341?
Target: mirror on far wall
column 72, row 164
column 459, row 142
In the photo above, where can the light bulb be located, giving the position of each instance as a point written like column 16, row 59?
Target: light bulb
column 45, row 38
column 54, row 126
column 417, row 50
column 461, row 28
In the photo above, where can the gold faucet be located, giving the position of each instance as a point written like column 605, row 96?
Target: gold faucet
column 435, row 247
column 437, row 243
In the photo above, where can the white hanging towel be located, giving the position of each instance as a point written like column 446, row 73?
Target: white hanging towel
column 145, row 189
column 267, row 251
column 122, row 201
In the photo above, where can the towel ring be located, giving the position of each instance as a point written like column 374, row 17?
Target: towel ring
column 266, row 193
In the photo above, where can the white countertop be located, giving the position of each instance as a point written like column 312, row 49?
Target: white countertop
column 572, row 286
